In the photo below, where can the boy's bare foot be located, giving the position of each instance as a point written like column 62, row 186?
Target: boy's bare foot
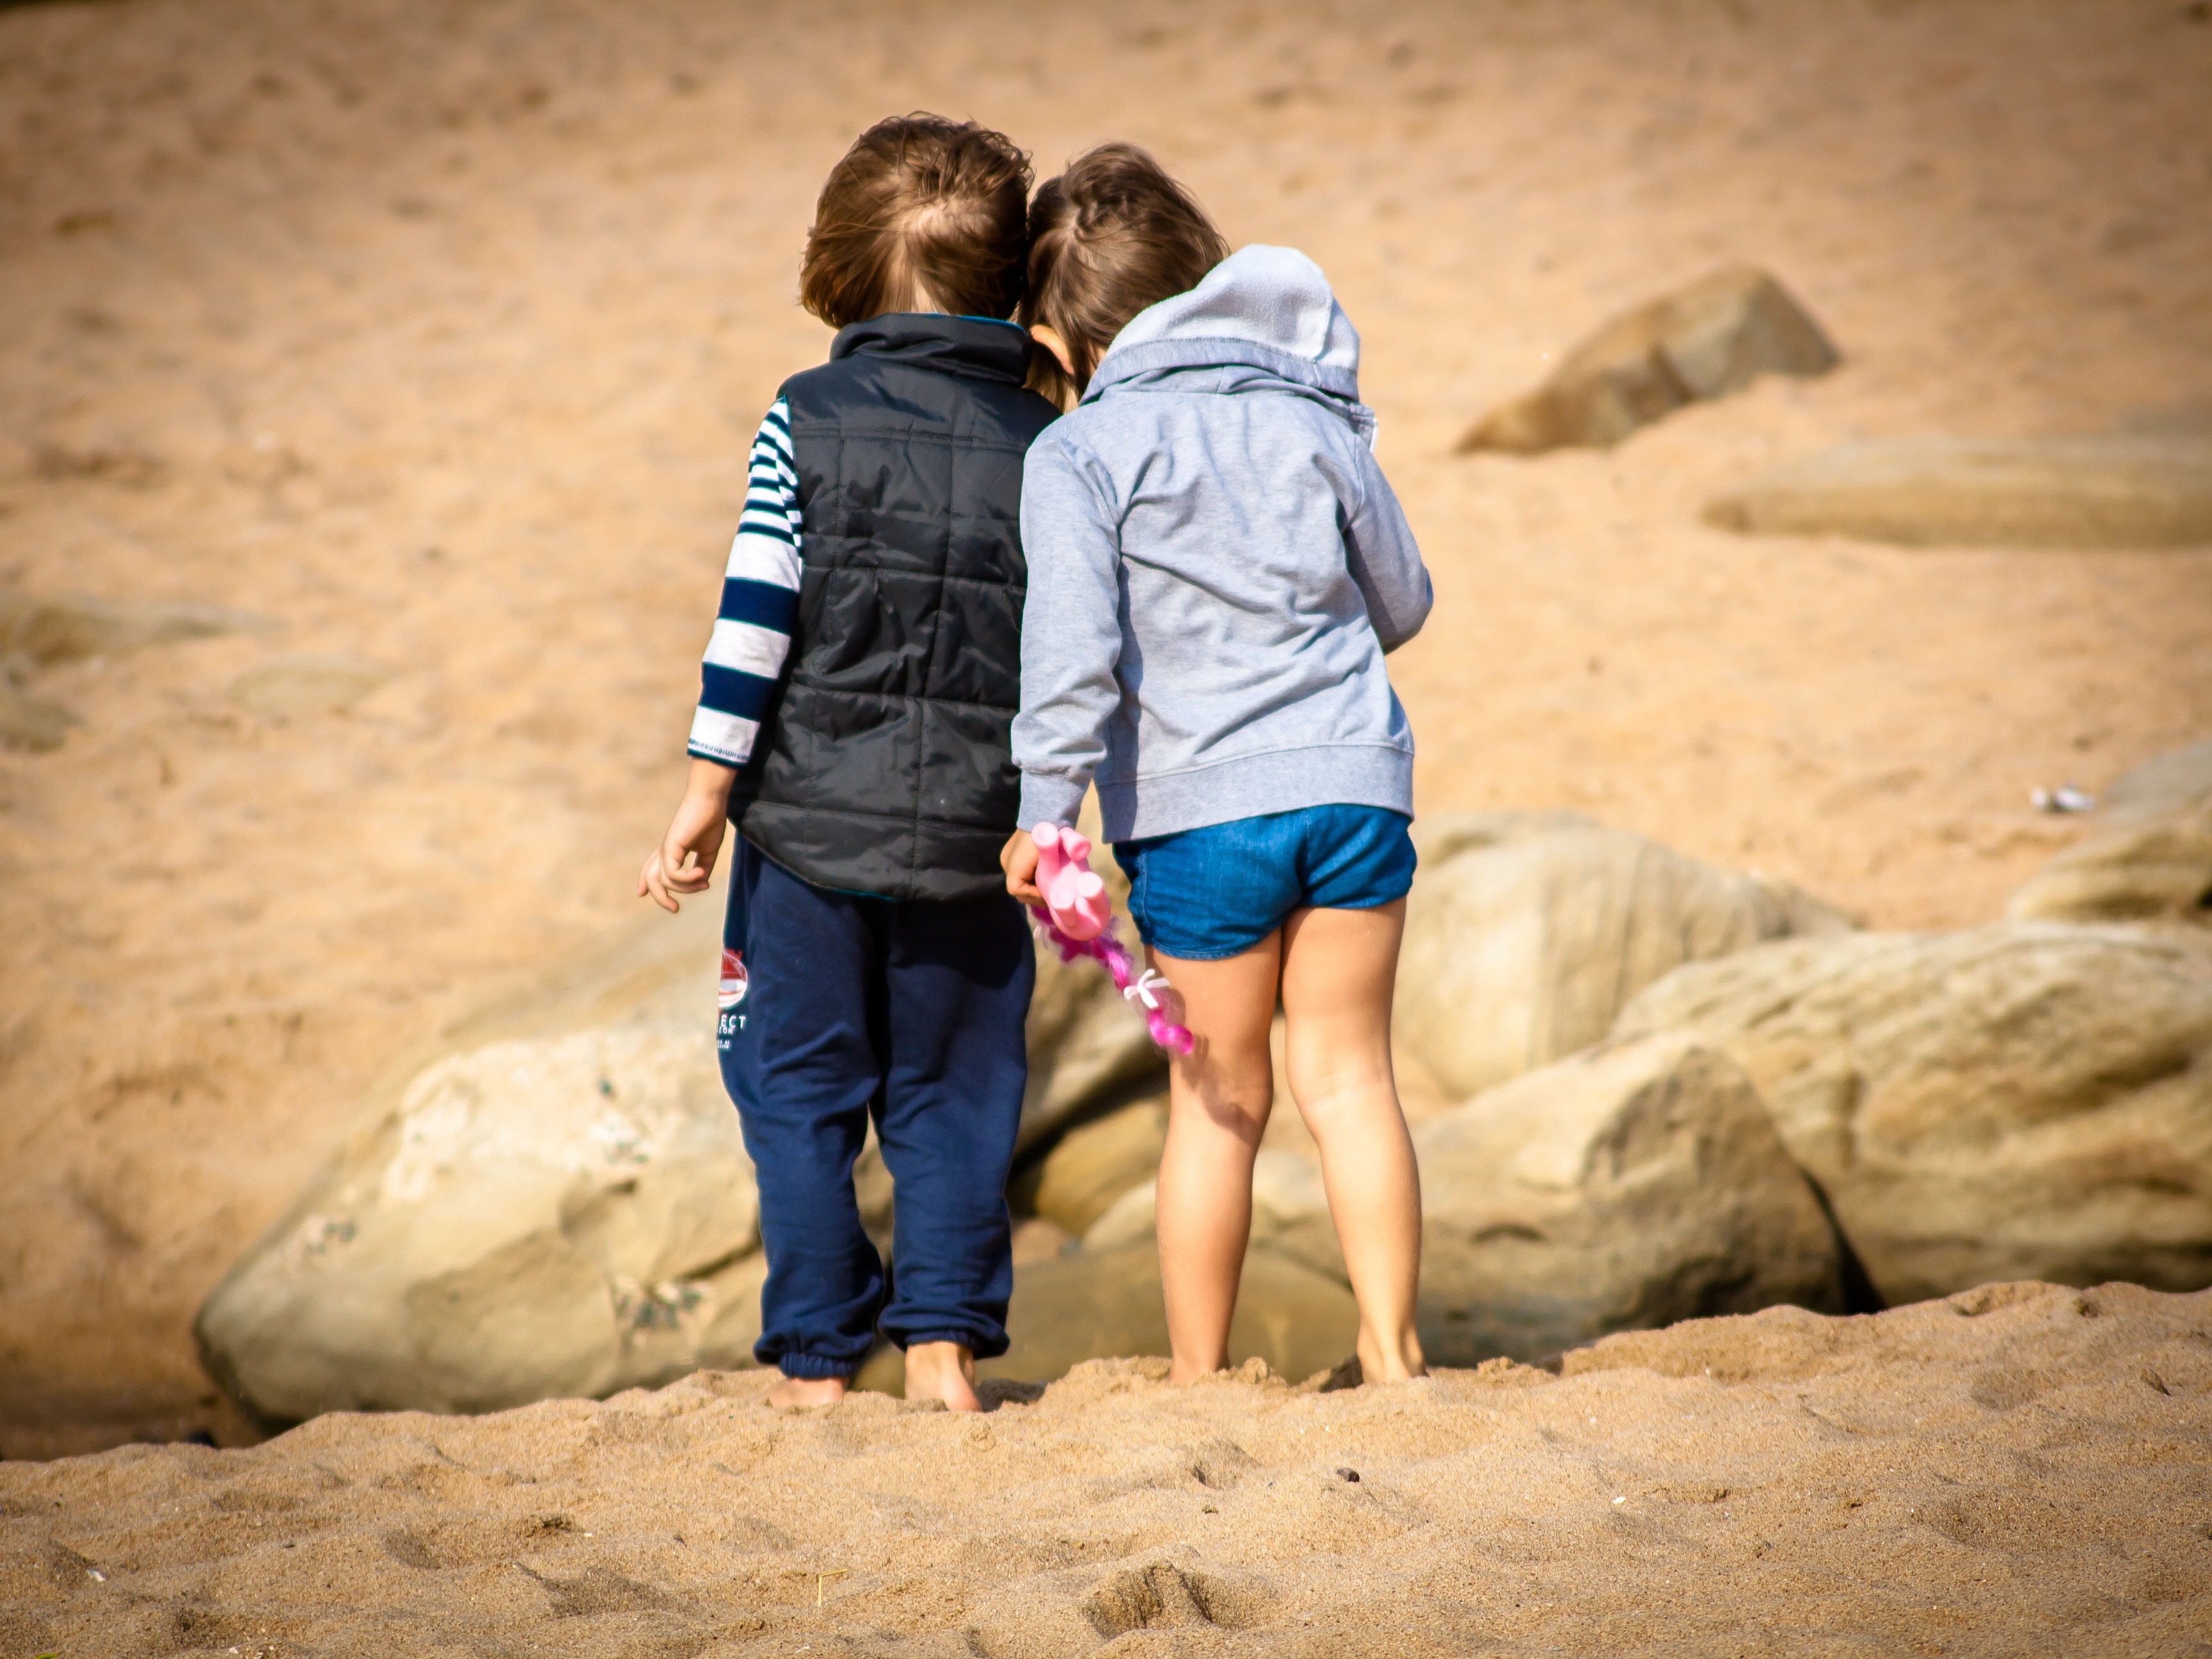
column 809, row 1391
column 942, row 1371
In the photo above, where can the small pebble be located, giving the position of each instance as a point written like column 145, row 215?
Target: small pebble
column 1353, row 1475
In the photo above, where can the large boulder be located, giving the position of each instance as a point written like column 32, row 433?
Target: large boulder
column 1093, row 1164
column 553, row 1198
column 1706, row 340
column 2151, row 859
column 2023, row 1101
column 1104, row 1304
column 2145, row 867
column 1629, row 1187
column 558, row 1202
column 2123, row 490
column 1527, row 932
column 2182, row 777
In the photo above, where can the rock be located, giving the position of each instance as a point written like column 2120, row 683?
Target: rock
column 1038, row 1240
column 1130, row 1219
column 49, row 628
column 289, row 688
column 1714, row 336
column 1103, row 1304
column 1526, row 933
column 501, row 1228
column 2182, row 778
column 2145, row 867
column 1093, row 1164
column 2023, row 1101
column 557, row 1204
column 1626, row 1187
column 27, row 722
column 2124, row 490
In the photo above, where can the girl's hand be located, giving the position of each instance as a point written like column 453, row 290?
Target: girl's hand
column 1019, row 859
column 684, row 860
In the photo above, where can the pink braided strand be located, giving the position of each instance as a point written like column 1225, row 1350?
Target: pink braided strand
column 1106, row 950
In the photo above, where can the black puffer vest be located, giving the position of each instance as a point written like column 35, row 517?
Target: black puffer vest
column 885, row 766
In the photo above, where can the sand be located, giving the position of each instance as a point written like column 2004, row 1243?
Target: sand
column 2018, row 1471
column 434, row 335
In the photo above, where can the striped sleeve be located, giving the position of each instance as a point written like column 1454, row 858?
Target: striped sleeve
column 759, row 601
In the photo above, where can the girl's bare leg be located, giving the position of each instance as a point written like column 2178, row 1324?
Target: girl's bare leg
column 1339, row 968
column 1219, row 1095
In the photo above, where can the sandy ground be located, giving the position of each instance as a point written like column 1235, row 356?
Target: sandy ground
column 433, row 333
column 2018, row 1471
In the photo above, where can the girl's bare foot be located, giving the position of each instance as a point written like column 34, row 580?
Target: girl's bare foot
column 1400, row 1361
column 809, row 1391
column 942, row 1371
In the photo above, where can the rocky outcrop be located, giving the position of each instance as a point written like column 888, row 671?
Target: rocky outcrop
column 1527, row 932
column 2023, row 1101
column 1706, row 340
column 554, row 1198
column 1094, row 1164
column 2147, row 867
column 2122, row 491
column 2150, row 860
column 558, row 1203
column 2181, row 778
column 1627, row 1187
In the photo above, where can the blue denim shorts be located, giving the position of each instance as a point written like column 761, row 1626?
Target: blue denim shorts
column 1206, row 893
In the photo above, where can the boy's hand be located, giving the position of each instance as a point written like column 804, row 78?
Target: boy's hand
column 1019, row 859
column 684, row 860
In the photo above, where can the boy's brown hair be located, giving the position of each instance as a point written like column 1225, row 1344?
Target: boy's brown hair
column 922, row 213
column 1111, row 235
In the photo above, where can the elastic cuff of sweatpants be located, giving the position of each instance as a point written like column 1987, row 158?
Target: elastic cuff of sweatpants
column 1048, row 798
column 813, row 1367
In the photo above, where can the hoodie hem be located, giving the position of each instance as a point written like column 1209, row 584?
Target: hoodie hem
column 1253, row 786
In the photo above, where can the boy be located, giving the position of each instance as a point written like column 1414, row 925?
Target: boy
column 853, row 723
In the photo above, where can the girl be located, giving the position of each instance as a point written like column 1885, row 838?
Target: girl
column 1216, row 569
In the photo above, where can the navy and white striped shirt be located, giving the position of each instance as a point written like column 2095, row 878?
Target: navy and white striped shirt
column 760, row 601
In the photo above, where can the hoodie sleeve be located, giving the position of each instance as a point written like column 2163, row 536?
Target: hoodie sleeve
column 1385, row 561
column 1071, row 631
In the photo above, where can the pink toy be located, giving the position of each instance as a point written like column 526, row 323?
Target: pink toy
column 1078, row 918
column 1072, row 891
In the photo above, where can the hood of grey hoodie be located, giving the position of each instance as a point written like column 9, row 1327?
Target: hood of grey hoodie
column 1264, row 320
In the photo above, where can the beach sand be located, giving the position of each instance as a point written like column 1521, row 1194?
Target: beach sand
column 435, row 336
column 2020, row 1470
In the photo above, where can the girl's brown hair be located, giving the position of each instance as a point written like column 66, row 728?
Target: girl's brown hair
column 922, row 213
column 1111, row 235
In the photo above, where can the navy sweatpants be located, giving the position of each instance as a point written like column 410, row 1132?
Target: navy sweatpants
column 908, row 1010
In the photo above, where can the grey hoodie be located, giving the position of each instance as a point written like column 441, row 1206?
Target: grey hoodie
column 1216, row 568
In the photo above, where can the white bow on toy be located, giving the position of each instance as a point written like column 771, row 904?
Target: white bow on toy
column 1147, row 983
